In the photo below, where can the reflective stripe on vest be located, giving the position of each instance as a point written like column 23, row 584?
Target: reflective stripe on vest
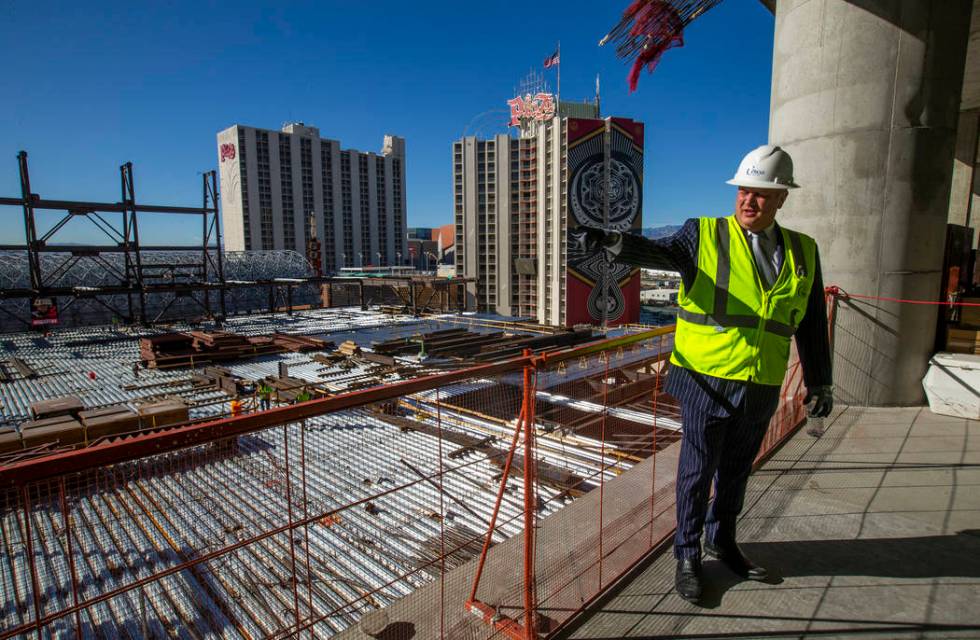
column 729, row 324
column 720, row 316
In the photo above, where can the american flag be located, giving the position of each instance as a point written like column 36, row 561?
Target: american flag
column 552, row 60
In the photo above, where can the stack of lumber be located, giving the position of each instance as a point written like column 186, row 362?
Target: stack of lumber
column 53, row 407
column 64, row 421
column 963, row 340
column 64, row 430
column 195, row 348
column 410, row 345
column 91, row 425
column 54, row 424
column 109, row 421
column 163, row 413
column 9, row 440
column 217, row 341
column 300, row 343
column 348, row 348
column 166, row 348
column 516, row 345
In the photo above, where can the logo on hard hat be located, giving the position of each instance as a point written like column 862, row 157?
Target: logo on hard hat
column 755, row 171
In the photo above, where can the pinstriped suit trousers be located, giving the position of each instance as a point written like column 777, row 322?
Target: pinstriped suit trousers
column 724, row 423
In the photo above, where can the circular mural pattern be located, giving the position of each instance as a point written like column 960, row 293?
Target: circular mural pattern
column 624, row 193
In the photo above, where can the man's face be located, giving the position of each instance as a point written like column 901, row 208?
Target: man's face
column 755, row 209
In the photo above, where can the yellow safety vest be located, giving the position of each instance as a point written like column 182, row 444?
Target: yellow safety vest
column 729, row 326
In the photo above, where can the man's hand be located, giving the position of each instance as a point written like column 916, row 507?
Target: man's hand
column 589, row 239
column 823, row 401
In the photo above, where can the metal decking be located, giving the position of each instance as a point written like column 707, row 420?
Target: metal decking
column 131, row 521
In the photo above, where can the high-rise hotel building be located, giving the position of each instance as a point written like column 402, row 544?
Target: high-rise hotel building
column 517, row 197
column 272, row 181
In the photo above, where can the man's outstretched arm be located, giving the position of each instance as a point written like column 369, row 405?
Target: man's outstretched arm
column 678, row 252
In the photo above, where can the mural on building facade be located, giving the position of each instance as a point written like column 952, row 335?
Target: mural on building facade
column 591, row 285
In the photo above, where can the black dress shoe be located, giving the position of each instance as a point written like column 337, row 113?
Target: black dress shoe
column 687, row 579
column 733, row 558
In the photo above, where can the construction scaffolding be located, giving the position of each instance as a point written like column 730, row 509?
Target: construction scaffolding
column 128, row 282
column 127, row 277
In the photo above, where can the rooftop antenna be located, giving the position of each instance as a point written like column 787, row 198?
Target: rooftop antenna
column 533, row 83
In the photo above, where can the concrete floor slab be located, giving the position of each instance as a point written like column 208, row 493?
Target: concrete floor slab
column 966, row 498
column 927, row 416
column 871, row 604
column 860, row 545
column 928, row 477
column 859, row 445
column 963, row 520
column 932, row 498
column 966, row 476
column 930, row 429
column 830, row 480
column 938, row 443
column 873, row 430
column 881, row 415
column 939, row 459
column 848, row 461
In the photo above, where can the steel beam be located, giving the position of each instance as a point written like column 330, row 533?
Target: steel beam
column 104, row 207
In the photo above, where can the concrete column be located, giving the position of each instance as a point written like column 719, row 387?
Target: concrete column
column 865, row 96
column 964, row 163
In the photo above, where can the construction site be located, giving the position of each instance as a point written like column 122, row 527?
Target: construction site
column 78, row 392
column 260, row 451
column 200, row 443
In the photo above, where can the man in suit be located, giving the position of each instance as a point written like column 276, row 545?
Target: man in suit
column 747, row 286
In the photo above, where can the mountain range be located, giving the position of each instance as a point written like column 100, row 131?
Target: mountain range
column 660, row 232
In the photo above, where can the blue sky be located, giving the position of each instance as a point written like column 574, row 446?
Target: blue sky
column 88, row 86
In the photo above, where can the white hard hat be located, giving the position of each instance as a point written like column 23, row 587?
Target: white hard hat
column 765, row 167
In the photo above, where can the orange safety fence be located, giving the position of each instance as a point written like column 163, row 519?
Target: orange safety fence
column 605, row 405
column 496, row 501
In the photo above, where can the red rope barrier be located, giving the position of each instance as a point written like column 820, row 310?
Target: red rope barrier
column 837, row 292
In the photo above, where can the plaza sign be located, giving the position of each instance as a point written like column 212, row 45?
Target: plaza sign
column 538, row 107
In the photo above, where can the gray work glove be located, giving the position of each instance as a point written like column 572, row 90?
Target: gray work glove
column 589, row 239
column 823, row 401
